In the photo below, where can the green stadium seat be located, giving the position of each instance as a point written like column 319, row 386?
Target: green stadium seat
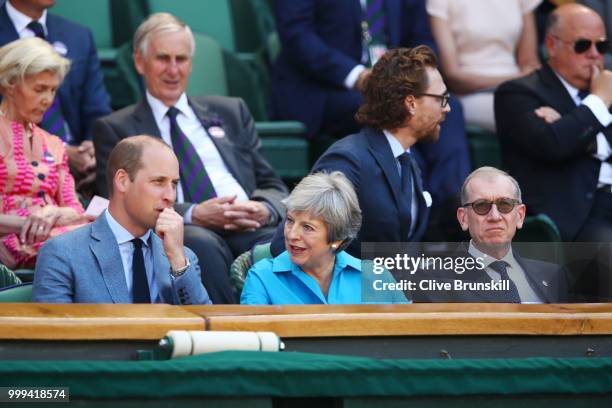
column 18, row 293
column 484, row 147
column 241, row 265
column 8, row 277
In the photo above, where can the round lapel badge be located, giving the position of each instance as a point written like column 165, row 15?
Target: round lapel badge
column 60, row 47
column 216, row 131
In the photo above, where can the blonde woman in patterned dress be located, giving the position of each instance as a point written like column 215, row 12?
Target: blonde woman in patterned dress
column 35, row 182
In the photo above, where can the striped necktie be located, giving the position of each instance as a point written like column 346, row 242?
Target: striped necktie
column 512, row 296
column 196, row 183
column 53, row 119
column 375, row 16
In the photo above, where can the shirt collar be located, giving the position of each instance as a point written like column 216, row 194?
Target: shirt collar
column 488, row 259
column 121, row 234
column 160, row 110
column 396, row 146
column 20, row 20
column 282, row 263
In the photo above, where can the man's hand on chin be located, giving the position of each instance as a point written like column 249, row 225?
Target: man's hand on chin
column 169, row 228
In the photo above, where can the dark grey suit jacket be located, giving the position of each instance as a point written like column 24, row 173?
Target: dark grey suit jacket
column 547, row 280
column 240, row 148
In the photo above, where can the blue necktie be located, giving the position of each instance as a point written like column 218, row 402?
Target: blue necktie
column 512, row 295
column 53, row 119
column 140, row 285
column 406, row 194
column 197, row 186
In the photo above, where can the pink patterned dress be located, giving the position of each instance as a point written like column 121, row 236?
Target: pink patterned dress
column 31, row 178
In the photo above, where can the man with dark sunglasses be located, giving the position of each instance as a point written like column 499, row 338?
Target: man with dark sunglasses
column 554, row 128
column 492, row 212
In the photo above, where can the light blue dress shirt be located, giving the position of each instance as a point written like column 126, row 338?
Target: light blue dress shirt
column 278, row 281
column 126, row 249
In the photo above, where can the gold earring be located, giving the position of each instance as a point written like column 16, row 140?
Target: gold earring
column 334, row 246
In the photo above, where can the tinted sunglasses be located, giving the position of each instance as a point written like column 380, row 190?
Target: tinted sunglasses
column 482, row 207
column 583, row 45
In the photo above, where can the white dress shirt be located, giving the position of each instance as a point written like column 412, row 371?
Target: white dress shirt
column 599, row 109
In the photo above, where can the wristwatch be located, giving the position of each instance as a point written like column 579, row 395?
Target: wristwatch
column 180, row 271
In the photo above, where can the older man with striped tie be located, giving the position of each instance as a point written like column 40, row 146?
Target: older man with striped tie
column 229, row 196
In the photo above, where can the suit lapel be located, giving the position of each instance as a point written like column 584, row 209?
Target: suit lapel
column 7, row 29
column 223, row 144
column 535, row 281
column 392, row 10
column 380, row 149
column 145, row 121
column 556, row 92
column 104, row 247
column 161, row 269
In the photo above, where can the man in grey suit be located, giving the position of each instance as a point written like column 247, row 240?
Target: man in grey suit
column 133, row 252
column 229, row 195
column 492, row 212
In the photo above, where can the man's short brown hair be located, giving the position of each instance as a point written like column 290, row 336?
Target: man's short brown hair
column 127, row 155
column 399, row 72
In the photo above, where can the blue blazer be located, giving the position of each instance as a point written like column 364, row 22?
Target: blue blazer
column 367, row 161
column 82, row 94
column 322, row 41
column 84, row 266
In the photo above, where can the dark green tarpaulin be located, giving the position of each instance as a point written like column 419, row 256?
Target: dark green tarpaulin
column 300, row 374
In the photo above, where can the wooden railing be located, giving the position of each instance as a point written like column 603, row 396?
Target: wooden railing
column 145, row 322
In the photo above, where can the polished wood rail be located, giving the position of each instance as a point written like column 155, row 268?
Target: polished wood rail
column 145, row 322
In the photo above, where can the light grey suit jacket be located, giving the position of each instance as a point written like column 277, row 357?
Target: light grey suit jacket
column 84, row 266
column 240, row 148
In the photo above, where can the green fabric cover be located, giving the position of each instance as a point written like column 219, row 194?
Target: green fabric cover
column 292, row 374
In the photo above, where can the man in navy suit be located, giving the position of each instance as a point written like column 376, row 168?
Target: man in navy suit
column 133, row 252
column 405, row 101
column 492, row 212
column 324, row 60
column 82, row 96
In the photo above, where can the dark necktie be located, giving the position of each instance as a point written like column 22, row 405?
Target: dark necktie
column 406, row 193
column 197, row 186
column 583, row 94
column 53, row 119
column 512, row 295
column 140, row 285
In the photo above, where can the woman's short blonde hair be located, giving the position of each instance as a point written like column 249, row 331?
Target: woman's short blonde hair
column 29, row 56
column 331, row 197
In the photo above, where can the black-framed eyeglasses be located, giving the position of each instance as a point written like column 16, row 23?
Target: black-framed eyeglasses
column 582, row 45
column 443, row 98
column 482, row 207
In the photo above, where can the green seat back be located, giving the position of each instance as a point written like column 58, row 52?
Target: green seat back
column 484, row 148
column 94, row 14
column 212, row 17
column 8, row 277
column 241, row 265
column 19, row 293
column 538, row 228
column 208, row 75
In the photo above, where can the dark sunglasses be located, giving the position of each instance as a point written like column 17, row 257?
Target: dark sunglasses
column 582, row 45
column 482, row 207
column 443, row 98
